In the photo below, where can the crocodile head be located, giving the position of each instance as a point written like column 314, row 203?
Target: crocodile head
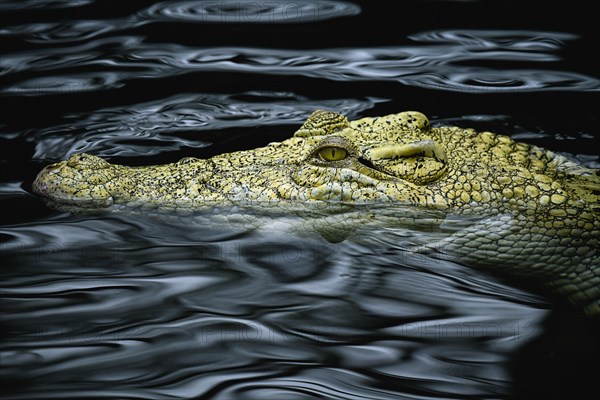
column 328, row 160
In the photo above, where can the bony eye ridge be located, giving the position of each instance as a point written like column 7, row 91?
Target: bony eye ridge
column 333, row 153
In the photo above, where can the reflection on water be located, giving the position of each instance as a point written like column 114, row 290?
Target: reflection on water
column 248, row 316
column 443, row 63
column 233, row 11
column 166, row 124
column 125, row 307
column 222, row 11
column 12, row 5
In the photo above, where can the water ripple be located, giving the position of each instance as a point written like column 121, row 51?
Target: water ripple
column 23, row 5
column 178, row 122
column 234, row 11
column 222, row 11
column 157, row 319
column 509, row 39
column 452, row 66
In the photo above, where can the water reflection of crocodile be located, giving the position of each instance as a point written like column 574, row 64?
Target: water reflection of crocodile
column 537, row 212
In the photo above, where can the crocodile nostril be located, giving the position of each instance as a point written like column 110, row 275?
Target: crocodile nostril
column 52, row 168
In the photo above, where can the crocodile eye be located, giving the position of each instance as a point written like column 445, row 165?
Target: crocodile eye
column 333, row 153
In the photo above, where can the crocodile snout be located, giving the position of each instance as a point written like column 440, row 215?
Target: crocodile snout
column 81, row 180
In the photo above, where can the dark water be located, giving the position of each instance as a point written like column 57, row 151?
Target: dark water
column 118, row 307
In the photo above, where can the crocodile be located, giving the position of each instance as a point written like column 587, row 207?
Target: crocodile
column 528, row 211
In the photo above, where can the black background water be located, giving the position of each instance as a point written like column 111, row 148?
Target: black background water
column 98, row 307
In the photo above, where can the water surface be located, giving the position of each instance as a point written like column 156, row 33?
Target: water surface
column 128, row 307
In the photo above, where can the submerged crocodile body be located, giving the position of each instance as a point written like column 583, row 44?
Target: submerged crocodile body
column 533, row 212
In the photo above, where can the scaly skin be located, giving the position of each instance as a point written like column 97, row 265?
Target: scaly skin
column 538, row 212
